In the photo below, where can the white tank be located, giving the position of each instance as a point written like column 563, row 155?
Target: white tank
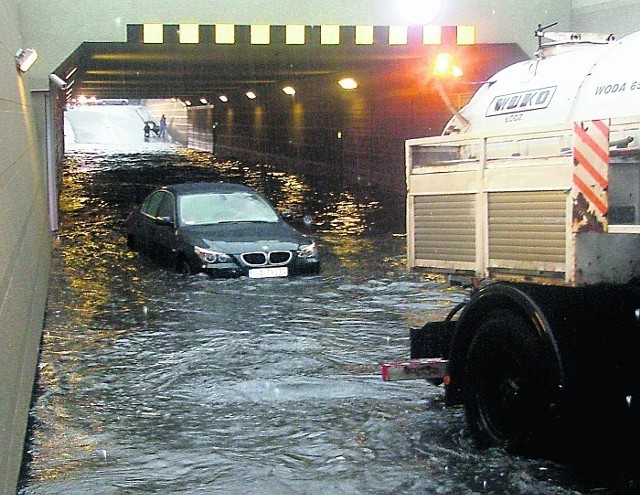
column 566, row 82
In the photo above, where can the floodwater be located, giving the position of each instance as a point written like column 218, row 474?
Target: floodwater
column 152, row 383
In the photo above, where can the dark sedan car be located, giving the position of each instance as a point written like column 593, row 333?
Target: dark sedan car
column 221, row 229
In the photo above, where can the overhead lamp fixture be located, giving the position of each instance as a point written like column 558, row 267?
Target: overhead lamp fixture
column 289, row 90
column 203, row 101
column 251, row 95
column 25, row 57
column 223, row 98
column 187, row 103
column 348, row 83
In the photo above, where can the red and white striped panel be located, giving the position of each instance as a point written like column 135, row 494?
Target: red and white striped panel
column 591, row 175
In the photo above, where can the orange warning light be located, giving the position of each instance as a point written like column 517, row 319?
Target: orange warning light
column 444, row 66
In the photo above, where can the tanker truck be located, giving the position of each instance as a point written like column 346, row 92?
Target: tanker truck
column 531, row 196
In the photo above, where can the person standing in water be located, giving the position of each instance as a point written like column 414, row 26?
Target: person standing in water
column 163, row 127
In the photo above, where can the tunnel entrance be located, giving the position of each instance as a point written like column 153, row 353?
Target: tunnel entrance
column 284, row 100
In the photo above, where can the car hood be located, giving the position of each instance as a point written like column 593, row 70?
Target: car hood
column 240, row 237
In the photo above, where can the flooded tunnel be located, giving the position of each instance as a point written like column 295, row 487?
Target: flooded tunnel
column 150, row 382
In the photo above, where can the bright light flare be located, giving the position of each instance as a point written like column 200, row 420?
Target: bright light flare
column 348, row 83
column 419, row 11
column 444, row 66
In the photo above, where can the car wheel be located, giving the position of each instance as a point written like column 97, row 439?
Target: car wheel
column 184, row 267
column 506, row 392
column 131, row 242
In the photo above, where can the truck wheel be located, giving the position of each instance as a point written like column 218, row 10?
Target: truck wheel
column 506, row 394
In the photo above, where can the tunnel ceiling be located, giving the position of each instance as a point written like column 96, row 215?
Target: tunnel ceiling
column 136, row 70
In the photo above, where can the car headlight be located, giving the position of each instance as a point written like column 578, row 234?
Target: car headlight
column 209, row 256
column 308, row 251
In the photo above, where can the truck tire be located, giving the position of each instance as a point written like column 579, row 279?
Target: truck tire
column 506, row 392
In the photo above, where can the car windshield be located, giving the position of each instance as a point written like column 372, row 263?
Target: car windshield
column 211, row 208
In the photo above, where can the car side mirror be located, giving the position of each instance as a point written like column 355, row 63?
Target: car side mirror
column 306, row 221
column 164, row 221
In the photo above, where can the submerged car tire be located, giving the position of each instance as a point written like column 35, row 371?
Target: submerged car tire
column 506, row 389
column 183, row 267
column 131, row 242
column 315, row 270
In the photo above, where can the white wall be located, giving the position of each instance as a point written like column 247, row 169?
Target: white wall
column 619, row 17
column 24, row 249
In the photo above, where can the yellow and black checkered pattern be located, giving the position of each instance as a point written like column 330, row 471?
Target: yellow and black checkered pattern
column 297, row 34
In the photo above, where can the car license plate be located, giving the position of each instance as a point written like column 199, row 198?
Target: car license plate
column 278, row 271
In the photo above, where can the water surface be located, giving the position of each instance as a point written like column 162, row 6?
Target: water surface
column 152, row 383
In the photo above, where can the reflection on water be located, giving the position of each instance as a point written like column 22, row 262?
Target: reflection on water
column 155, row 383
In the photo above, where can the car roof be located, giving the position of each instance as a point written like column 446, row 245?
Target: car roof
column 207, row 187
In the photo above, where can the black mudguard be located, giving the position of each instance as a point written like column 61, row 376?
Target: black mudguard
column 433, row 340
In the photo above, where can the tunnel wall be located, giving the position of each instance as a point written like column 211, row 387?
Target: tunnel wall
column 357, row 142
column 25, row 243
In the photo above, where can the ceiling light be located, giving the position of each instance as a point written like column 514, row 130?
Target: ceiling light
column 223, row 98
column 25, row 58
column 289, row 90
column 251, row 95
column 348, row 83
column 203, row 101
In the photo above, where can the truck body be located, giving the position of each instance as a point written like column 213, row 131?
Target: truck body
column 533, row 192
